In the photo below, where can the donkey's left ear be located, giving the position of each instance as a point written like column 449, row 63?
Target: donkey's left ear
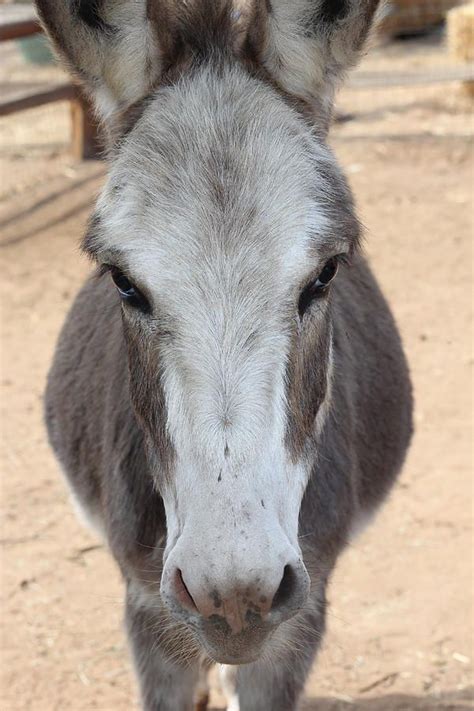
column 116, row 48
column 309, row 44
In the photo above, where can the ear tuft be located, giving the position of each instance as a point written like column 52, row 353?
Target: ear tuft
column 90, row 12
column 332, row 10
column 206, row 26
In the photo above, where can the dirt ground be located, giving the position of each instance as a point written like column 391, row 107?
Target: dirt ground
column 400, row 621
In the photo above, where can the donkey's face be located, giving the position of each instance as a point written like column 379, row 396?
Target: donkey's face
column 222, row 222
column 221, row 213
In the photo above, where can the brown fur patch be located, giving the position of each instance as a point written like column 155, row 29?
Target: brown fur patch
column 196, row 32
column 307, row 378
column 160, row 16
column 208, row 30
column 123, row 123
column 146, row 390
column 89, row 241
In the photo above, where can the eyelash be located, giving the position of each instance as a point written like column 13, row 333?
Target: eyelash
column 129, row 293
column 103, row 269
column 319, row 287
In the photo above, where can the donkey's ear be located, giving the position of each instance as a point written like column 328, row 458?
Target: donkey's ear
column 114, row 47
column 309, row 44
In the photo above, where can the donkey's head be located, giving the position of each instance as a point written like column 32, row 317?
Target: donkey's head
column 222, row 223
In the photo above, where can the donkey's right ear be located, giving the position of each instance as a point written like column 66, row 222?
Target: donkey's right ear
column 309, row 44
column 116, row 48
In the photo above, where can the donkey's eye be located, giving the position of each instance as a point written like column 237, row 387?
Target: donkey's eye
column 319, row 286
column 128, row 292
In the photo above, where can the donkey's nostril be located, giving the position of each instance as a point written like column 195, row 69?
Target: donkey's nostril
column 286, row 590
column 240, row 602
column 182, row 592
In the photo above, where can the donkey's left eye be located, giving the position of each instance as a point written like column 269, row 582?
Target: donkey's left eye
column 319, row 286
column 128, row 292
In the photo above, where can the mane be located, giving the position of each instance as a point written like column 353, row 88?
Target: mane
column 202, row 31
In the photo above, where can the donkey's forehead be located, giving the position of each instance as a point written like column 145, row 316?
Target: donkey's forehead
column 222, row 166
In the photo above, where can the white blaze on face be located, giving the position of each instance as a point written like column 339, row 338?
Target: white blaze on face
column 223, row 374
column 216, row 218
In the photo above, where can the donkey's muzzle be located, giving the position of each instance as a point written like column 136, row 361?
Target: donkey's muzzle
column 234, row 619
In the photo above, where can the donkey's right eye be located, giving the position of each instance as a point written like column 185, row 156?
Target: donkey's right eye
column 128, row 292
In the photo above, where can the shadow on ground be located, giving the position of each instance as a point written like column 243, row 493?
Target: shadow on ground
column 459, row 700
column 446, row 701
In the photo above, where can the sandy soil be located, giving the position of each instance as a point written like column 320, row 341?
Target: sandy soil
column 400, row 623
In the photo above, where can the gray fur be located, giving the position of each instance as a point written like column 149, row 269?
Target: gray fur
column 245, row 161
column 96, row 436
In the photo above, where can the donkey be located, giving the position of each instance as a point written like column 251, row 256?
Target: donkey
column 229, row 397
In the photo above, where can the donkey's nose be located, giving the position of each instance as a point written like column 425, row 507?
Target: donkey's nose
column 245, row 605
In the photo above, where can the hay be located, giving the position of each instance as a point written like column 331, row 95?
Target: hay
column 461, row 38
column 461, row 33
column 407, row 16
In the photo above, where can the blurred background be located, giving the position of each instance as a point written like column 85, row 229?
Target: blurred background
column 400, row 622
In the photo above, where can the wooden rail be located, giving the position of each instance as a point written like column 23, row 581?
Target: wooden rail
column 20, row 100
column 20, row 21
column 379, row 80
column 17, row 29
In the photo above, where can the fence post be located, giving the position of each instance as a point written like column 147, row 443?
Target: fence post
column 86, row 142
